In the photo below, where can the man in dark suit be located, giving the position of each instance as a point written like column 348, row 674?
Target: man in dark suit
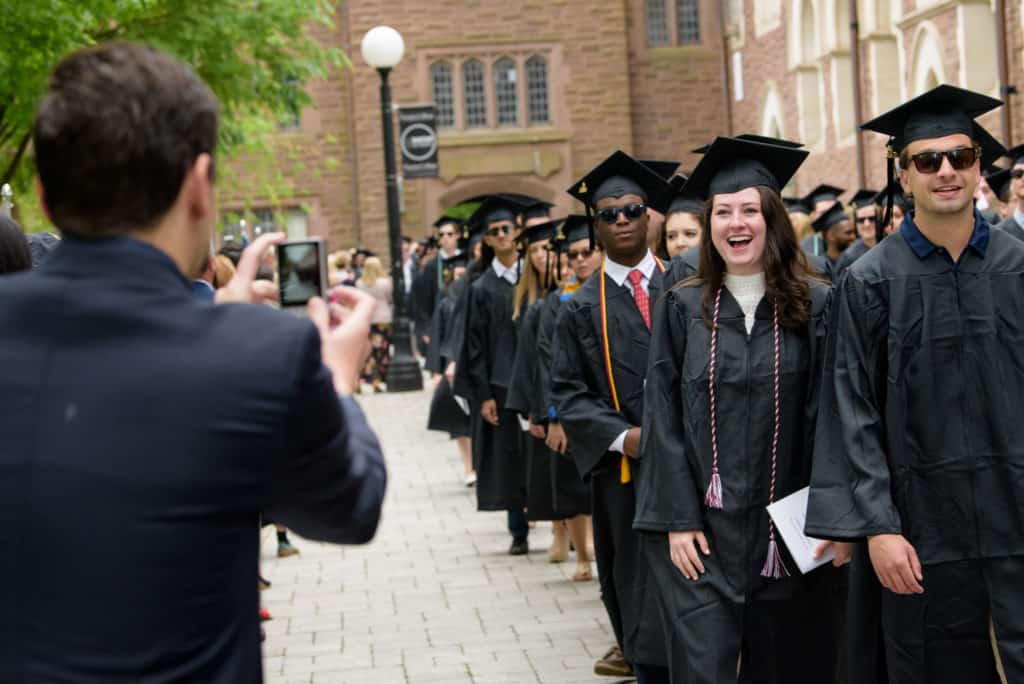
column 144, row 430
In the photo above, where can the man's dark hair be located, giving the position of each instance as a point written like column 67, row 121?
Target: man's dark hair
column 116, row 133
column 14, row 253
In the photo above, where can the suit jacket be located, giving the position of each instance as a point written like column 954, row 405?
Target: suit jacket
column 1011, row 226
column 144, row 431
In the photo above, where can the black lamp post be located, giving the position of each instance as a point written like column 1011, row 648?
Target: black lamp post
column 382, row 48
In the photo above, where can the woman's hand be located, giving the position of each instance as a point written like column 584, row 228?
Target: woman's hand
column 557, row 441
column 682, row 548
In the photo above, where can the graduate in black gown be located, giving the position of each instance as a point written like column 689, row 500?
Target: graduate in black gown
column 597, row 379
column 866, row 218
column 484, row 370
column 729, row 412
column 835, row 226
column 818, row 202
column 446, row 415
column 578, row 259
column 918, row 443
column 429, row 282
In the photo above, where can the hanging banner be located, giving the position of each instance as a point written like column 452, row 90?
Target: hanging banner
column 417, row 138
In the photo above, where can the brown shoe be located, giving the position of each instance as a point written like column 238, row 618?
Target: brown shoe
column 613, row 664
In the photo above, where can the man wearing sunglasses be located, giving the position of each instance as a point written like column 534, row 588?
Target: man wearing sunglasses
column 918, row 445
column 1014, row 223
column 430, row 280
column 865, row 219
column 597, row 376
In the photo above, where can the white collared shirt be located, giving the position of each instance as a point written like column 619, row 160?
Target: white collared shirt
column 1018, row 216
column 510, row 274
column 620, row 273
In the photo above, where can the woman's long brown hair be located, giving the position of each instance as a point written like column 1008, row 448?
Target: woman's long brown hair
column 787, row 275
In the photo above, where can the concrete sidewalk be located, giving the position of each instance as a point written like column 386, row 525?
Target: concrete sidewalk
column 435, row 598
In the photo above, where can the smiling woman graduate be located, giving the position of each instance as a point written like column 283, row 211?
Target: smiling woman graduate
column 729, row 411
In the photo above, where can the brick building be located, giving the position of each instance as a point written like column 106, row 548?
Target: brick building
column 531, row 93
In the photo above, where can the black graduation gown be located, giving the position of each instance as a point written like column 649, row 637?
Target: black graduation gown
column 445, row 414
column 919, row 434
column 813, row 245
column 852, row 253
column 423, row 300
column 484, row 372
column 1011, row 227
column 523, row 399
column 785, row 627
column 571, row 495
column 581, row 395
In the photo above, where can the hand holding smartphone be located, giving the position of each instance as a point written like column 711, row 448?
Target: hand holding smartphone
column 301, row 272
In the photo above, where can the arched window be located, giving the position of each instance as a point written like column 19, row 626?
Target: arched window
column 444, row 99
column 688, row 21
column 474, row 94
column 537, row 90
column 505, row 92
column 657, row 23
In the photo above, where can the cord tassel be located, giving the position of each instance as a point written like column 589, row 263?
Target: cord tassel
column 713, row 498
column 773, row 567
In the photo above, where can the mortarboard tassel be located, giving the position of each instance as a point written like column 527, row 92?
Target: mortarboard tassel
column 773, row 567
column 890, row 191
column 713, row 498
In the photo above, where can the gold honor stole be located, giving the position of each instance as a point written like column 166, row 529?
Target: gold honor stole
column 624, row 472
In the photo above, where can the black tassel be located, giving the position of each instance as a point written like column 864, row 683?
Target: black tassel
column 890, row 193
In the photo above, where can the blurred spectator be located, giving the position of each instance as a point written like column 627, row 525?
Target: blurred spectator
column 341, row 266
column 223, row 271
column 376, row 283
column 14, row 250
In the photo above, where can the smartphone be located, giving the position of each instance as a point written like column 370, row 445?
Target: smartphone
column 301, row 271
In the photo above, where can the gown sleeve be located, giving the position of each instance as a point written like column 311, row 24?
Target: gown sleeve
column 668, row 498
column 590, row 421
column 524, row 367
column 477, row 345
column 545, row 351
column 437, row 333
column 850, row 496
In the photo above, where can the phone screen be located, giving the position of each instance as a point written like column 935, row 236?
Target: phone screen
column 298, row 271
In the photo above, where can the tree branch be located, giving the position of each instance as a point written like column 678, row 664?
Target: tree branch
column 13, row 166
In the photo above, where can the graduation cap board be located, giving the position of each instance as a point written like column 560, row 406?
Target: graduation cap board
column 991, row 149
column 863, row 198
column 537, row 210
column 999, row 181
column 823, row 193
column 541, row 232
column 732, row 164
column 750, row 137
column 833, row 215
column 665, row 169
column 445, row 220
column 796, row 205
column 1016, row 154
column 494, row 209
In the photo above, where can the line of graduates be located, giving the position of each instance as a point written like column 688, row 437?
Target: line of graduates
column 879, row 364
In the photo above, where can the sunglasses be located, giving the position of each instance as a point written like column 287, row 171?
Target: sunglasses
column 960, row 158
column 867, row 219
column 631, row 211
column 582, row 254
column 1017, row 173
column 498, row 230
column 447, row 233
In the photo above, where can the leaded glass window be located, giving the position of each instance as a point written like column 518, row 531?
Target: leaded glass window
column 505, row 92
column 537, row 90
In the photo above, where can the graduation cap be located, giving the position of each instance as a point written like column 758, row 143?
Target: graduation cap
column 620, row 175
column 444, row 220
column 494, row 209
column 823, row 193
column 537, row 209
column 796, row 205
column 541, row 232
column 863, row 198
column 831, row 216
column 665, row 169
column 1015, row 154
column 999, row 181
column 732, row 164
column 750, row 137
column 943, row 110
column 681, row 201
column 991, row 149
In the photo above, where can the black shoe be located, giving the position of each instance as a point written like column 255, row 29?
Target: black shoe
column 520, row 547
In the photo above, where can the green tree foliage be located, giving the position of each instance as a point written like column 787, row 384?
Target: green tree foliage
column 255, row 55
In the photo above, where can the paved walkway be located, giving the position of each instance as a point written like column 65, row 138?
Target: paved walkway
column 435, row 598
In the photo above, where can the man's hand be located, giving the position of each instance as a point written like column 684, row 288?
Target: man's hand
column 537, row 431
column 556, row 440
column 844, row 552
column 489, row 411
column 896, row 564
column 632, row 444
column 344, row 334
column 449, row 374
column 243, row 286
column 682, row 547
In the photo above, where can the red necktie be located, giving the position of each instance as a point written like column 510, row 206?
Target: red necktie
column 643, row 301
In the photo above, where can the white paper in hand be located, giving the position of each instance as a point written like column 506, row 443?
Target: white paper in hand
column 789, row 515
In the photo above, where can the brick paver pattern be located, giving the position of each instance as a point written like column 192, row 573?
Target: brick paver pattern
column 435, row 597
